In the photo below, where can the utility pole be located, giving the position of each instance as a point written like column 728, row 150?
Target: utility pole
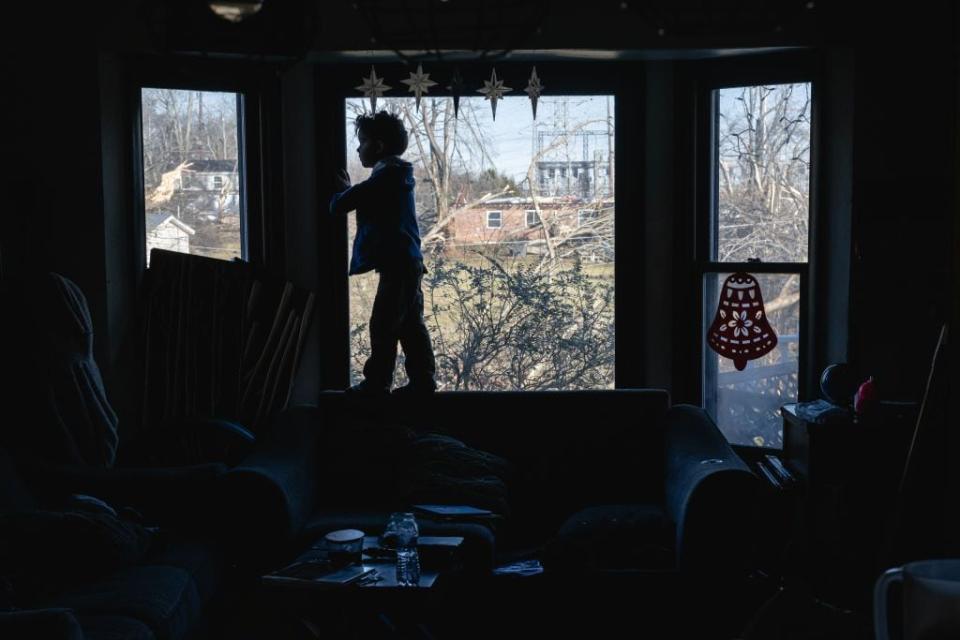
column 609, row 148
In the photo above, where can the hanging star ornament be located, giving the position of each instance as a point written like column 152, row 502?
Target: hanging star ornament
column 533, row 90
column 493, row 90
column 373, row 88
column 456, row 88
column 419, row 83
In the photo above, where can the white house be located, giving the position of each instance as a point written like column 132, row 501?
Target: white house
column 210, row 189
column 165, row 231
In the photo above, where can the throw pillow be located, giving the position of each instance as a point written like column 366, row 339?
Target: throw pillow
column 445, row 470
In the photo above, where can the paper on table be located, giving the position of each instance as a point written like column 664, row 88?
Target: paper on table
column 304, row 573
column 452, row 510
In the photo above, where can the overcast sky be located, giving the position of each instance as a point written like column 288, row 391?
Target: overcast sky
column 511, row 134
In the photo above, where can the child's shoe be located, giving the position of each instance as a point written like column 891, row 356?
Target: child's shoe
column 366, row 388
column 414, row 390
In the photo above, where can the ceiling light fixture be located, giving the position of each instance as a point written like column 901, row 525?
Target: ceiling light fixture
column 235, row 11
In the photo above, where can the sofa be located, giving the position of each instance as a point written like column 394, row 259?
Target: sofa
column 608, row 482
column 74, row 568
column 599, row 484
column 103, row 533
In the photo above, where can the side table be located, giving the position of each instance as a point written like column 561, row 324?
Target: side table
column 849, row 471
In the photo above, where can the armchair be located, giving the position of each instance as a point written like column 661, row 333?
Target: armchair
column 700, row 528
column 59, row 438
column 57, row 409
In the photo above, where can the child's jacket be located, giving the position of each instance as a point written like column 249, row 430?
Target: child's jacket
column 387, row 232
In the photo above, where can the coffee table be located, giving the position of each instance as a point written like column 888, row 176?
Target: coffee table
column 370, row 602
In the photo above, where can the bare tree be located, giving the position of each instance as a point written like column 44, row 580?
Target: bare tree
column 181, row 129
column 763, row 213
column 497, row 322
column 498, row 325
column 764, row 149
column 764, row 188
column 450, row 154
column 171, row 122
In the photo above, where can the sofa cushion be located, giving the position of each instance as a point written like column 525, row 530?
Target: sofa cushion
column 176, row 497
column 27, row 624
column 105, row 627
column 386, row 465
column 14, row 495
column 203, row 561
column 163, row 597
column 167, row 592
column 613, row 538
column 43, row 551
column 567, row 449
column 361, row 461
column 444, row 470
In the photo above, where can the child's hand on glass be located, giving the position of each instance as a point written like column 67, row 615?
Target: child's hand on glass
column 343, row 180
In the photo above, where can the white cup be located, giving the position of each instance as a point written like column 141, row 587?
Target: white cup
column 931, row 600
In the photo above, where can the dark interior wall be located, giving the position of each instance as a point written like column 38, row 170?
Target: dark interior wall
column 625, row 80
column 904, row 172
column 302, row 210
column 55, row 169
column 66, row 177
column 833, row 203
column 953, row 443
column 120, row 273
column 679, row 188
column 345, row 26
column 331, row 149
column 659, row 206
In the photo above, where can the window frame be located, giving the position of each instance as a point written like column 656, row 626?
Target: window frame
column 262, row 240
column 499, row 219
column 536, row 219
column 710, row 78
column 621, row 79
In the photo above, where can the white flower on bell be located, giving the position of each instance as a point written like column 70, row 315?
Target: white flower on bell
column 740, row 323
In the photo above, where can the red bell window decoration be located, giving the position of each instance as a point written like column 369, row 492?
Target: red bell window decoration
column 740, row 330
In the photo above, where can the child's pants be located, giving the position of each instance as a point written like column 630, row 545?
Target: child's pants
column 398, row 317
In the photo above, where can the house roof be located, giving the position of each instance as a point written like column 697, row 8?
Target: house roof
column 544, row 200
column 212, row 166
column 154, row 220
column 514, row 200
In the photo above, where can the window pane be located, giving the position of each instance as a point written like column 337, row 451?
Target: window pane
column 763, row 173
column 519, row 305
column 746, row 404
column 191, row 172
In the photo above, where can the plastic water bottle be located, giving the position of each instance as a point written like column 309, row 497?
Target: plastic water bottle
column 408, row 559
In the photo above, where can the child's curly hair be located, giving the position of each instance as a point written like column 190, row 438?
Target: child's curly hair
column 386, row 128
